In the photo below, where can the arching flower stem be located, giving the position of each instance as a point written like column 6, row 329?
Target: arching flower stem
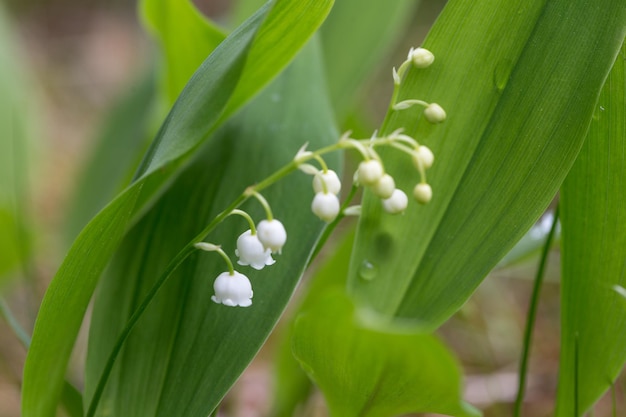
column 247, row 217
column 209, row 247
column 266, row 206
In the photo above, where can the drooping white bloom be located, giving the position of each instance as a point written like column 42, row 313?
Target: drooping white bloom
column 325, row 206
column 385, row 186
column 424, row 156
column 421, row 57
column 232, row 290
column 370, row 172
column 272, row 235
column 251, row 251
column 330, row 178
column 434, row 113
column 397, row 203
column 422, row 193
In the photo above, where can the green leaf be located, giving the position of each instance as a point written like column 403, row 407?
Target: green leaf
column 186, row 37
column 223, row 78
column 369, row 373
column 593, row 317
column 292, row 386
column 519, row 81
column 199, row 348
column 119, row 145
column 355, row 44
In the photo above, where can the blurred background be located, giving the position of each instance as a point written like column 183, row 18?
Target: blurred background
column 77, row 58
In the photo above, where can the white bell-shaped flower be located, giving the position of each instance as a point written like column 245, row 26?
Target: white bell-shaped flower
column 325, row 206
column 384, row 187
column 422, row 58
column 232, row 290
column 424, row 156
column 251, row 251
column 397, row 203
column 434, row 113
column 272, row 235
column 370, row 172
column 330, row 179
column 423, row 193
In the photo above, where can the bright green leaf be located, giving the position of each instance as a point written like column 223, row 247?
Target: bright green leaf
column 196, row 114
column 292, row 386
column 357, row 37
column 199, row 348
column 519, row 81
column 186, row 37
column 369, row 373
column 593, row 318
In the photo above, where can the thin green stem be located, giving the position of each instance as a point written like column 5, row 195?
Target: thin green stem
column 405, row 104
column 532, row 312
column 248, row 219
column 322, row 163
column 209, row 247
column 264, row 203
column 20, row 333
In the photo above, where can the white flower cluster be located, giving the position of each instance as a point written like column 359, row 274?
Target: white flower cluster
column 370, row 173
column 255, row 247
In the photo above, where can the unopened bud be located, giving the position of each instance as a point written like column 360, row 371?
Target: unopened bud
column 422, row 193
column 434, row 113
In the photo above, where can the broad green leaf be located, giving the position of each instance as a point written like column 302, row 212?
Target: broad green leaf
column 292, row 386
column 593, row 319
column 357, row 37
column 198, row 348
column 186, row 37
column 222, row 80
column 118, row 148
column 519, row 81
column 369, row 373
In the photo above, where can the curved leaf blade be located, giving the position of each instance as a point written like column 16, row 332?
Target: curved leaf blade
column 198, row 347
column 195, row 115
column 593, row 318
column 186, row 36
column 498, row 164
column 369, row 373
column 353, row 50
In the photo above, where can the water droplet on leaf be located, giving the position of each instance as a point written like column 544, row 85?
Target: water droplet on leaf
column 367, row 271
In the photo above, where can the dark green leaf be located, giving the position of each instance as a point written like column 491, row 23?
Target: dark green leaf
column 223, row 78
column 198, row 348
column 593, row 318
column 357, row 37
column 519, row 80
column 186, row 36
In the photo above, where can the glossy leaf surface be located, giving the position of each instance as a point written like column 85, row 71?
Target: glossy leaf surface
column 198, row 348
column 519, row 81
column 199, row 111
column 593, row 202
column 374, row 373
column 186, row 37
